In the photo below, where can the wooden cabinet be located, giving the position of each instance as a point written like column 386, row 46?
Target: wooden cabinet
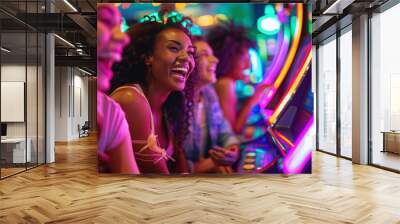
column 391, row 141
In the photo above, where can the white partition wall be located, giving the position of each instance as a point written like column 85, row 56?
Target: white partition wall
column 22, row 90
column 13, row 87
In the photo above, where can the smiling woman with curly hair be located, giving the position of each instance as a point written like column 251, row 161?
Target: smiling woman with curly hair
column 153, row 86
column 231, row 44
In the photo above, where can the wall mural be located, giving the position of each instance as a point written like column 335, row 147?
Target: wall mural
column 189, row 88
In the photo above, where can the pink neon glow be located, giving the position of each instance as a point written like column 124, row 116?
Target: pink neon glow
column 283, row 46
column 284, row 138
column 297, row 157
column 289, row 59
column 276, row 64
column 293, row 48
column 293, row 86
column 283, row 152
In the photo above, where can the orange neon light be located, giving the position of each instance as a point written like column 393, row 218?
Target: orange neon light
column 292, row 89
column 285, row 139
column 293, row 48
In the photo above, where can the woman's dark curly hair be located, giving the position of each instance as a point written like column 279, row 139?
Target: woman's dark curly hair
column 228, row 41
column 133, row 70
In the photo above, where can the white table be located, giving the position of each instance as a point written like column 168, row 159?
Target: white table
column 18, row 149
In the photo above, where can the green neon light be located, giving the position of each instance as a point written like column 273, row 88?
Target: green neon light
column 124, row 25
column 269, row 24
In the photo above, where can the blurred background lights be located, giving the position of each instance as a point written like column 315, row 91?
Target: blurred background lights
column 221, row 17
column 206, row 20
column 124, row 25
column 180, row 6
column 269, row 24
column 256, row 75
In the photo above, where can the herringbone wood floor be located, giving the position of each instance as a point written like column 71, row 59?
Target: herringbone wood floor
column 70, row 191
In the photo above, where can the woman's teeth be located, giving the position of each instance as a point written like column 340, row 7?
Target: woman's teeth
column 182, row 71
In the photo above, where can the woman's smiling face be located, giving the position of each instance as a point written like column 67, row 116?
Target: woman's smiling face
column 172, row 60
column 110, row 39
column 110, row 43
column 206, row 63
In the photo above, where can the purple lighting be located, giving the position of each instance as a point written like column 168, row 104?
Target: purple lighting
column 277, row 63
column 301, row 153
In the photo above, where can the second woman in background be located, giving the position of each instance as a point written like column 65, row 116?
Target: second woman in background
column 211, row 145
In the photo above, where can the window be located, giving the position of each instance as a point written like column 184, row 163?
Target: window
column 346, row 93
column 327, row 96
column 385, row 89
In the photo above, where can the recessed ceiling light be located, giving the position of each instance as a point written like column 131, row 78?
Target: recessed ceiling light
column 65, row 41
column 5, row 49
column 70, row 5
column 86, row 72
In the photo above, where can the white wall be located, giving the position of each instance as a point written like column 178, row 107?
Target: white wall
column 13, row 73
column 80, row 101
column 71, row 94
column 61, row 103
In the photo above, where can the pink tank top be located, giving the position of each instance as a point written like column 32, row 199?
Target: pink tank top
column 151, row 143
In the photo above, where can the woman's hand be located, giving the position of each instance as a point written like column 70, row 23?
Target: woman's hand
column 225, row 156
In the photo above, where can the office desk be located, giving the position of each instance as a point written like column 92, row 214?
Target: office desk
column 391, row 141
column 13, row 150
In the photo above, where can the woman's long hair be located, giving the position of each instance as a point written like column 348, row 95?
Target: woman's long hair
column 228, row 41
column 133, row 70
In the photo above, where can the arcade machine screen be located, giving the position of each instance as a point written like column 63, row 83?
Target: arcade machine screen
column 289, row 114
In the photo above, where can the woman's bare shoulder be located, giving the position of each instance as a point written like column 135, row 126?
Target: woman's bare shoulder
column 224, row 83
column 225, row 87
column 137, row 110
column 129, row 97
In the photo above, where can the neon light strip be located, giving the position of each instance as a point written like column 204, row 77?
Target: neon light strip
column 277, row 142
column 283, row 46
column 284, row 138
column 256, row 65
column 290, row 57
column 282, row 49
column 297, row 158
column 293, row 48
column 277, row 63
column 292, row 89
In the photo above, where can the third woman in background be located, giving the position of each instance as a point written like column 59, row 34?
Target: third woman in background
column 231, row 46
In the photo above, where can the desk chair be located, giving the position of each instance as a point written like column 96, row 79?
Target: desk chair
column 84, row 130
